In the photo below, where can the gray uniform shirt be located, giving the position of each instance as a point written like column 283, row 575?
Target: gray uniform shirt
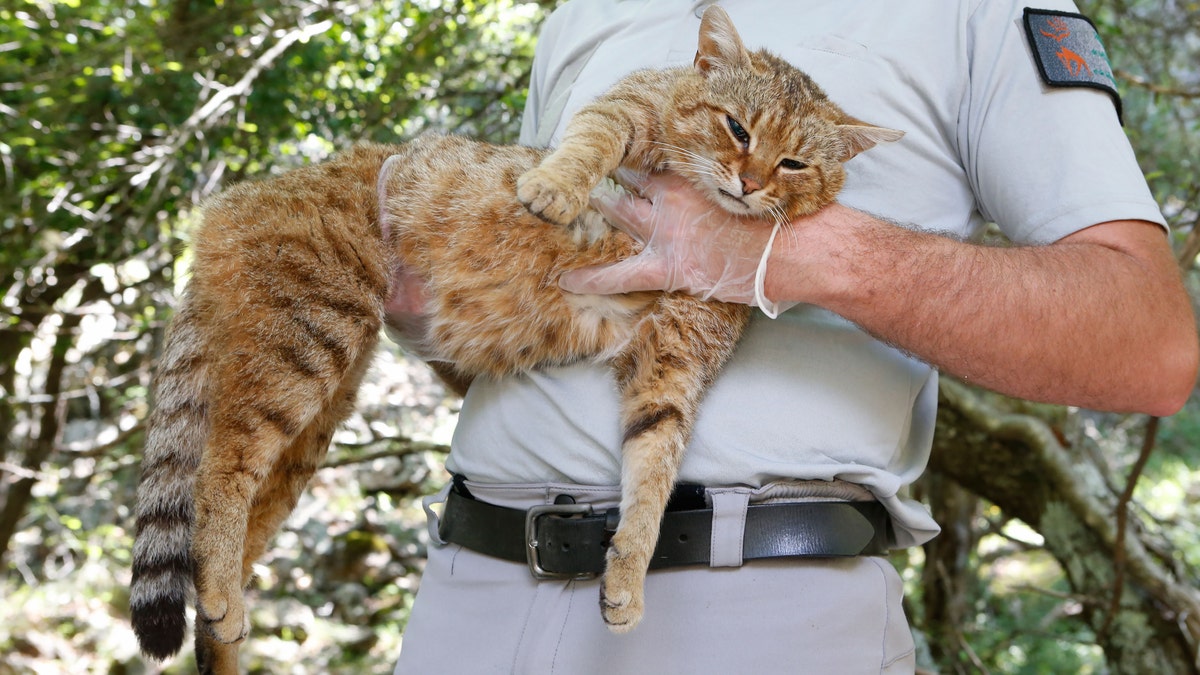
column 809, row 395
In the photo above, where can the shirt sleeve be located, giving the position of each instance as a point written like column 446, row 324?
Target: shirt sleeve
column 1044, row 161
column 534, row 100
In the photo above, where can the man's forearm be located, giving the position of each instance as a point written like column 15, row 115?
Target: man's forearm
column 1099, row 319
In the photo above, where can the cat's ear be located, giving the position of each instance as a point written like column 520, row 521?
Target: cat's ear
column 720, row 46
column 859, row 136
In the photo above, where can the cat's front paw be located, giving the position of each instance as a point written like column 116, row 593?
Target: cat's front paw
column 550, row 197
column 223, row 614
column 622, row 592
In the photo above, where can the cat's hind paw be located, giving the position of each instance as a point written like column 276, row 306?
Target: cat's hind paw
column 550, row 197
column 223, row 615
column 622, row 593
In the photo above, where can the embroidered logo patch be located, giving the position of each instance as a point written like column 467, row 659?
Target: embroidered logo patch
column 1068, row 51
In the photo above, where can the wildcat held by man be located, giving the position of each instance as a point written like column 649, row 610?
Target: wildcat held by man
column 291, row 276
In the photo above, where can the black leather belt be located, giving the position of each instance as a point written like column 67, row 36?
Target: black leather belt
column 569, row 540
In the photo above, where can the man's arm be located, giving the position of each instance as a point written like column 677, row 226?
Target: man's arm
column 1099, row 319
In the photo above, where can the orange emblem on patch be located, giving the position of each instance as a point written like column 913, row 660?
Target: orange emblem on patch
column 1068, row 53
column 1061, row 30
column 1074, row 63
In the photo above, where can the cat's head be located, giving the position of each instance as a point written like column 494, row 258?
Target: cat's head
column 757, row 135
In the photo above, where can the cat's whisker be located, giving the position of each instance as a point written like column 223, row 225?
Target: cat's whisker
column 775, row 214
column 707, row 166
column 781, row 217
column 786, row 229
column 696, row 169
column 691, row 155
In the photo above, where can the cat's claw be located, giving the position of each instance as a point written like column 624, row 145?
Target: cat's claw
column 622, row 599
column 549, row 196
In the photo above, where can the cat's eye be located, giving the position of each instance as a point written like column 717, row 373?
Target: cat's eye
column 793, row 165
column 739, row 132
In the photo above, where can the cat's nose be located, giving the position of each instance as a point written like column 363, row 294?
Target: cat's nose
column 749, row 184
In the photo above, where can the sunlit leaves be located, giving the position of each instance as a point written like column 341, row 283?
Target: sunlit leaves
column 1154, row 47
column 118, row 118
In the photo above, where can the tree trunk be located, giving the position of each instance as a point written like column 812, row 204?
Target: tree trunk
column 38, row 449
column 946, row 575
column 1018, row 462
column 15, row 498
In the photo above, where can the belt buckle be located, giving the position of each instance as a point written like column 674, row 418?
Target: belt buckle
column 531, row 542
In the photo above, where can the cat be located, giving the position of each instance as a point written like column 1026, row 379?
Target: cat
column 290, row 275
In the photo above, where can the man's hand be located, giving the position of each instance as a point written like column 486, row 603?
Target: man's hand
column 691, row 245
column 405, row 315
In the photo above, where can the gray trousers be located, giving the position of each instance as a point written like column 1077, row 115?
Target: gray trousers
column 477, row 614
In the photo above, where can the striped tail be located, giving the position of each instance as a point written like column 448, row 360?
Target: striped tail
column 162, row 559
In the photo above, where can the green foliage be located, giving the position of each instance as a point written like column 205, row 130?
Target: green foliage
column 116, row 120
column 1154, row 50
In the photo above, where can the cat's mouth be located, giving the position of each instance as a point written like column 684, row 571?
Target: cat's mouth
column 734, row 198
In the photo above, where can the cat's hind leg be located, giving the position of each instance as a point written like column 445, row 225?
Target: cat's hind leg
column 274, row 502
column 663, row 374
column 284, row 361
column 291, row 473
column 213, row 657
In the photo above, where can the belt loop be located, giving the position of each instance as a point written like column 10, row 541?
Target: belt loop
column 728, row 526
column 432, row 520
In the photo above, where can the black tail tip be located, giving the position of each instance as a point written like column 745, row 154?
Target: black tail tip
column 159, row 629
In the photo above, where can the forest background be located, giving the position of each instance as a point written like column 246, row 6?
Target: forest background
column 1070, row 537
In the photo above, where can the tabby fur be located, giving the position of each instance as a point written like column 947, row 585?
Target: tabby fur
column 290, row 277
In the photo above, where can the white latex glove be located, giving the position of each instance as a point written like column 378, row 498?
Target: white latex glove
column 691, row 245
column 405, row 316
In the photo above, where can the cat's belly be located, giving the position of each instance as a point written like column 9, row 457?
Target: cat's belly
column 518, row 326
column 490, row 268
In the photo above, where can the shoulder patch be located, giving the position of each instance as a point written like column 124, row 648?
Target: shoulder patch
column 1068, row 52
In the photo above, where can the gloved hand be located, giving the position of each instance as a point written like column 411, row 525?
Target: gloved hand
column 691, row 245
column 405, row 318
